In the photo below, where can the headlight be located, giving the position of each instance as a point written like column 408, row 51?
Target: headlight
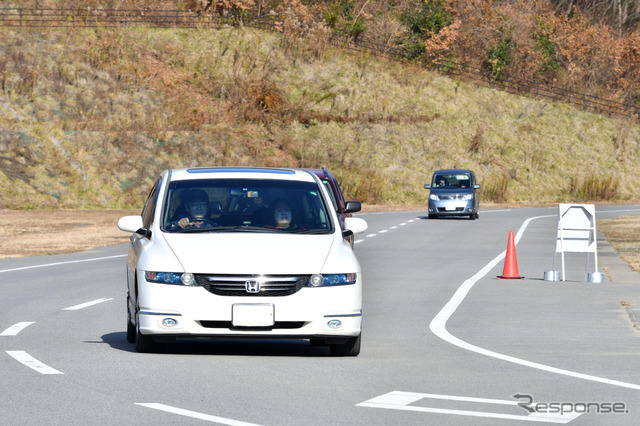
column 468, row 197
column 330, row 280
column 176, row 278
column 434, row 197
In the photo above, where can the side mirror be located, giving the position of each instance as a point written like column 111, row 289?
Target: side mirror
column 476, row 186
column 427, row 186
column 133, row 224
column 355, row 225
column 353, row 206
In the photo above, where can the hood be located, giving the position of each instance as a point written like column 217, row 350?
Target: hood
column 443, row 191
column 250, row 253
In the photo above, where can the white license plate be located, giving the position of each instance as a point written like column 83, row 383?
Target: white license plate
column 252, row 315
column 450, row 208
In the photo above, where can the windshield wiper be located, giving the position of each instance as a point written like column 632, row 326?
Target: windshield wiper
column 235, row 228
column 311, row 231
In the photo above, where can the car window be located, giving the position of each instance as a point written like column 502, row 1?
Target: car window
column 150, row 205
column 451, row 181
column 334, row 200
column 339, row 191
column 250, row 205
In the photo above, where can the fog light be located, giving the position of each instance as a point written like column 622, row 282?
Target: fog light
column 316, row 280
column 334, row 323
column 169, row 322
column 188, row 279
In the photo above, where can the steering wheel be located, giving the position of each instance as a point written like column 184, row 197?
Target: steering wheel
column 204, row 220
column 213, row 224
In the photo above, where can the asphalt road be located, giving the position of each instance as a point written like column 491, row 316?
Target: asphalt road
column 444, row 341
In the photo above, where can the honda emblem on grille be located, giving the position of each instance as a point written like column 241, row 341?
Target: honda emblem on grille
column 252, row 286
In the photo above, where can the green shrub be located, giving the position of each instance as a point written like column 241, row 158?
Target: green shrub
column 340, row 18
column 548, row 49
column 499, row 57
column 427, row 19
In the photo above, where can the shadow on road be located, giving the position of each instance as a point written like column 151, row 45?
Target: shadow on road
column 243, row 347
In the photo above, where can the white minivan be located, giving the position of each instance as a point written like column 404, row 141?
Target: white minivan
column 242, row 252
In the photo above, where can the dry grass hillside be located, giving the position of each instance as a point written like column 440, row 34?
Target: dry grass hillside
column 88, row 117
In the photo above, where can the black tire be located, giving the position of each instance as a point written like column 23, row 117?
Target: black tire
column 472, row 216
column 432, row 216
column 350, row 348
column 144, row 343
column 131, row 327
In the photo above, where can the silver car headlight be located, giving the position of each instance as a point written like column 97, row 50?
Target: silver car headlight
column 175, row 278
column 434, row 197
column 468, row 197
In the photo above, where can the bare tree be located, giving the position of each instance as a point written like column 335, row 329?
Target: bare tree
column 623, row 15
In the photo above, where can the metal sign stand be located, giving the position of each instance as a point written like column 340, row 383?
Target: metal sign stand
column 576, row 233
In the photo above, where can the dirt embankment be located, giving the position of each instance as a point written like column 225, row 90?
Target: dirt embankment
column 40, row 232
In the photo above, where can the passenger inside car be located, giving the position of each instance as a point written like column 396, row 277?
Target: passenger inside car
column 282, row 215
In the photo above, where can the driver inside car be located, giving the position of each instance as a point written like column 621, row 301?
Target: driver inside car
column 197, row 210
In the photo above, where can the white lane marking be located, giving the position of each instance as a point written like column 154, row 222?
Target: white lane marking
column 193, row 414
column 16, row 328
column 382, row 231
column 398, row 400
column 46, row 265
column 617, row 211
column 26, row 359
column 389, row 212
column 86, row 305
column 438, row 324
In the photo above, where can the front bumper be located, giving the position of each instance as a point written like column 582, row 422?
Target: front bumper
column 451, row 207
column 194, row 312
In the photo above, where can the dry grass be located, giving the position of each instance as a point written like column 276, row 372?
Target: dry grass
column 88, row 118
column 623, row 233
column 43, row 232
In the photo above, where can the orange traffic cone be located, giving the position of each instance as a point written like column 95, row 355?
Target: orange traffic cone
column 510, row 271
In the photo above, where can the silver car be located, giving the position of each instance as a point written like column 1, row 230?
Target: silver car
column 453, row 192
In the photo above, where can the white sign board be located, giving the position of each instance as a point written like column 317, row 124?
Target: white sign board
column 576, row 231
column 576, row 228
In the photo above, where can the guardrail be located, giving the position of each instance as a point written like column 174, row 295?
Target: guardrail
column 76, row 18
column 25, row 18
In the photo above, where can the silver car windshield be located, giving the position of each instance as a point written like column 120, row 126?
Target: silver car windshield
column 245, row 205
column 451, row 181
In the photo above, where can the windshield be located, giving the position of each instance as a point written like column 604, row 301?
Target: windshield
column 245, row 205
column 451, row 181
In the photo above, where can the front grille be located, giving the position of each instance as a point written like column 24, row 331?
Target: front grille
column 279, row 325
column 452, row 197
column 444, row 210
column 236, row 285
